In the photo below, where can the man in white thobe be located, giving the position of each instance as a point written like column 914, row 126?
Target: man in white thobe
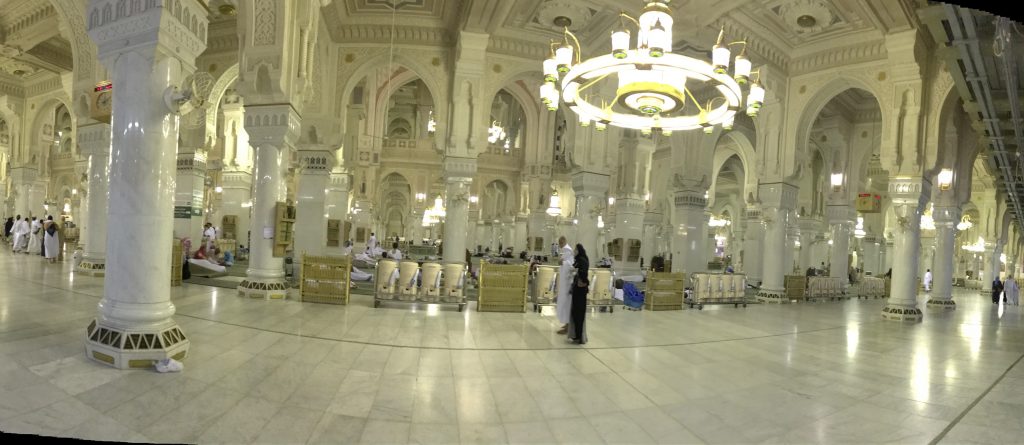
column 210, row 234
column 563, row 305
column 1012, row 291
column 372, row 243
column 928, row 281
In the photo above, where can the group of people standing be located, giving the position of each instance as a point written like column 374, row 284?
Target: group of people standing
column 573, row 287
column 1008, row 289
column 35, row 236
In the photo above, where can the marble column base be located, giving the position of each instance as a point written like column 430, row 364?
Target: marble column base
column 898, row 312
column 267, row 288
column 941, row 303
column 135, row 348
column 772, row 296
column 92, row 267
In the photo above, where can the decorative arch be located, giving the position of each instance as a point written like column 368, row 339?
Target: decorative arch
column 415, row 67
column 799, row 130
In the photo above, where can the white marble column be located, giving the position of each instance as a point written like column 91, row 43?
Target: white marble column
column 810, row 230
column 311, row 205
column 870, row 244
column 190, row 189
column 590, row 189
column 753, row 243
column 986, row 266
column 791, row 260
column 840, row 218
column 272, row 131
column 946, row 219
column 236, row 200
column 629, row 225
column 909, row 196
column 22, row 181
column 458, row 174
column 135, row 325
column 689, row 240
column 94, row 143
column 337, row 206
column 519, row 240
column 649, row 245
column 777, row 200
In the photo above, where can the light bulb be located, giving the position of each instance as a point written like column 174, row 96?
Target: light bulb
column 564, row 57
column 600, row 126
column 756, row 97
column 709, row 129
column 657, row 39
column 730, row 119
column 620, row 43
column 720, row 58
column 742, row 68
column 584, row 121
column 218, row 189
column 645, row 131
column 550, row 69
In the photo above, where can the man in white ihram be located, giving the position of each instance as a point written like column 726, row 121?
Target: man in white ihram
column 563, row 305
column 372, row 243
column 928, row 281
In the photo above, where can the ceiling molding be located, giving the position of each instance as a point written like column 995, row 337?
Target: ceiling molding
column 405, row 35
column 517, row 48
column 859, row 53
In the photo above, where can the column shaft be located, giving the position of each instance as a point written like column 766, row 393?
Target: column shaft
column 94, row 140
column 942, row 283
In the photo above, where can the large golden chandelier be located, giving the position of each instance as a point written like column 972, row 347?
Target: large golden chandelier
column 655, row 87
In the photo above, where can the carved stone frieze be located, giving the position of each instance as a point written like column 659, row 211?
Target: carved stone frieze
column 276, row 125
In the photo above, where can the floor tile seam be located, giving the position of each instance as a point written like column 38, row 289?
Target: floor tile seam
column 369, row 343
column 974, row 403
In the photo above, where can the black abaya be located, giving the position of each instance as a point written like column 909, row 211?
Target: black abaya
column 578, row 314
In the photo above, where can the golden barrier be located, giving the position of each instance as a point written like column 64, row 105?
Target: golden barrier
column 503, row 287
column 325, row 279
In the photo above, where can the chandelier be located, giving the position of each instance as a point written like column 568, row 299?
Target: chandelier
column 654, row 88
column 495, row 133
column 434, row 214
column 964, row 224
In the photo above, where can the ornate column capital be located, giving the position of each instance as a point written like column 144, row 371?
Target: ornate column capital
column 779, row 195
column 840, row 214
column 117, row 29
column 589, row 184
column 94, row 139
column 459, row 168
column 946, row 216
column 316, row 160
column 276, row 125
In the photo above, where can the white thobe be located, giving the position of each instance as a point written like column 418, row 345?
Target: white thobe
column 1012, row 292
column 52, row 244
column 35, row 240
column 395, row 254
column 20, row 230
column 372, row 243
column 210, row 234
column 564, row 304
column 927, row 281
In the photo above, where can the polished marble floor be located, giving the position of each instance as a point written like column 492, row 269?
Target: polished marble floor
column 286, row 372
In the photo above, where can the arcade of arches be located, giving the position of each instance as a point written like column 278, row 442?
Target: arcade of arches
column 887, row 145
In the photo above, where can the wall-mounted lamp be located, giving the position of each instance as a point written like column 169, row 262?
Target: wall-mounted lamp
column 611, row 200
column 218, row 189
column 555, row 209
column 474, row 199
column 420, row 197
column 945, row 179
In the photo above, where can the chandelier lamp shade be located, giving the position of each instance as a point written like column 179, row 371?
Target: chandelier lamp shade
column 655, row 90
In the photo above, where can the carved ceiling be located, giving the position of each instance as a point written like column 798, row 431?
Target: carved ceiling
column 30, row 40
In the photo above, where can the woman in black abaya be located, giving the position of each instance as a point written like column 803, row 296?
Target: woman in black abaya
column 580, row 288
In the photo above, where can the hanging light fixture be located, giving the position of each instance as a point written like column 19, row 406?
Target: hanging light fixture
column 431, row 124
column 965, row 223
column 652, row 92
column 858, row 231
column 495, row 133
column 555, row 209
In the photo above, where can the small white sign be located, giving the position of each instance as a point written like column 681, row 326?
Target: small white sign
column 268, row 232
